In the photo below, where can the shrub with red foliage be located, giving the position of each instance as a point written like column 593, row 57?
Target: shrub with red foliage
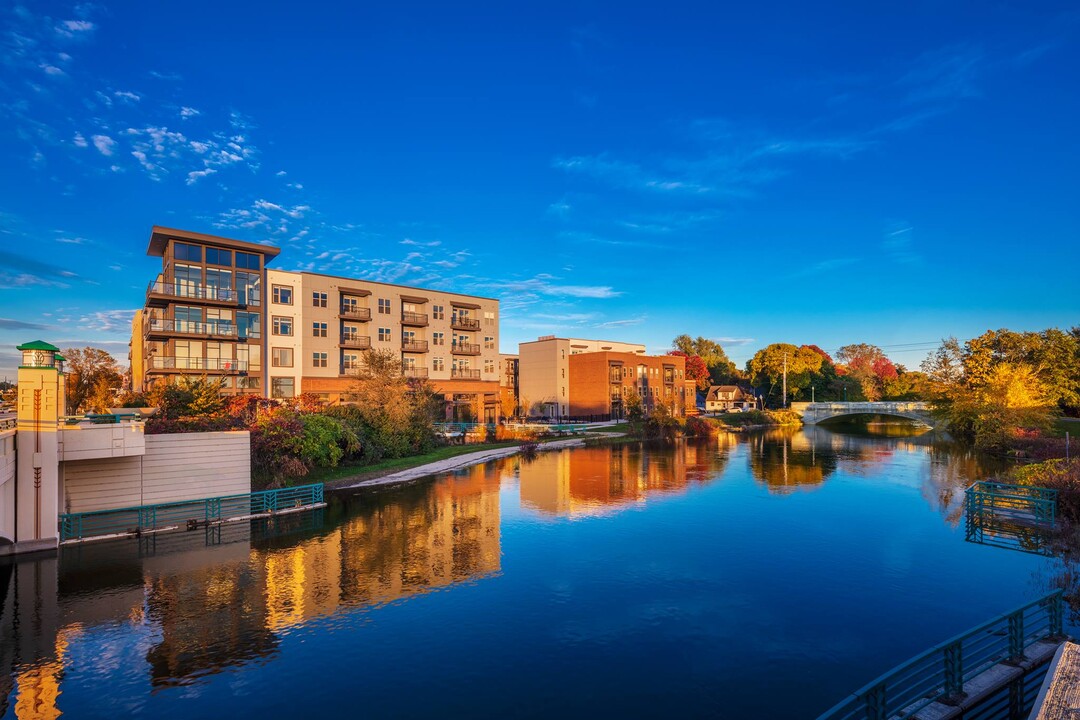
column 698, row 427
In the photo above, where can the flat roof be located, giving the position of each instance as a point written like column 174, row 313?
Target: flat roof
column 160, row 236
column 385, row 284
column 570, row 339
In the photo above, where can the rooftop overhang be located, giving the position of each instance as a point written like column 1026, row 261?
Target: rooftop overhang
column 160, row 236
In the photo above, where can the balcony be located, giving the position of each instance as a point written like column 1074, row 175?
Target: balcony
column 464, row 323
column 362, row 314
column 359, row 342
column 163, row 328
column 196, row 364
column 465, row 349
column 414, row 319
column 616, row 377
column 464, row 374
column 414, row 346
column 414, row 372
column 162, row 293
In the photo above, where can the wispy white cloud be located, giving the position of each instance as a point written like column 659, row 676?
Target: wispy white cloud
column 107, row 321
column 104, row 144
column 188, row 112
column 72, row 28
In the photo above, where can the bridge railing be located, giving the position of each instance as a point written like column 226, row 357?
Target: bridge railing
column 941, row 672
column 869, row 407
column 186, row 514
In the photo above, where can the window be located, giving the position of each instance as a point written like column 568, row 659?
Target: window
column 384, row 334
column 282, row 387
column 248, row 325
column 318, row 329
column 384, row 306
column 281, row 357
column 191, row 253
column 318, row 359
column 219, row 284
column 489, row 318
column 249, row 261
column 318, row 299
column 348, row 304
column 251, row 383
column 350, row 361
column 489, row 342
column 214, row 256
column 248, row 288
column 282, row 295
column 438, row 338
column 282, row 325
column 437, row 312
column 489, row 366
column 188, row 279
column 437, row 363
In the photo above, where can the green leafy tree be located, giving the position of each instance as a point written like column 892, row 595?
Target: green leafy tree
column 721, row 369
column 766, row 371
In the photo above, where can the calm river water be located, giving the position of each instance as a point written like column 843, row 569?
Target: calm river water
column 756, row 576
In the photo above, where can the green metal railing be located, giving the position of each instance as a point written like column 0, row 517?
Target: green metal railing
column 186, row 515
column 988, row 500
column 940, row 672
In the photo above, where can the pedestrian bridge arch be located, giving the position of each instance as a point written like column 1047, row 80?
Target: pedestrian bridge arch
column 816, row 412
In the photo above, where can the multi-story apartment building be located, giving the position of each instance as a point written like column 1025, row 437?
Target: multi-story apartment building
column 544, row 369
column 216, row 309
column 600, row 383
column 205, row 312
column 321, row 325
column 508, row 383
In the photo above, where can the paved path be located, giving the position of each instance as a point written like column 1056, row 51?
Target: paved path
column 456, row 463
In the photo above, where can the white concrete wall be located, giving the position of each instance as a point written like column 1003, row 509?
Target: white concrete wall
column 7, row 484
column 189, row 466
column 183, row 466
column 87, row 442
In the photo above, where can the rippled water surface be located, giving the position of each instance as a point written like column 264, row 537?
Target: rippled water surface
column 756, row 576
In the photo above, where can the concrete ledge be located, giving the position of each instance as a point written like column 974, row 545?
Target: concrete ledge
column 30, row 546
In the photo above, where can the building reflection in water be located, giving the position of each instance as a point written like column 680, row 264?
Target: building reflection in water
column 601, row 480
column 215, row 598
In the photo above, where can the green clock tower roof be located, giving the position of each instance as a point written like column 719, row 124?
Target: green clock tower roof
column 38, row 345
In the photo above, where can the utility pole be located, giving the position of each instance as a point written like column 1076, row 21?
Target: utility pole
column 783, row 404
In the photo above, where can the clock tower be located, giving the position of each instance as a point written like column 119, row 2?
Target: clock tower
column 41, row 406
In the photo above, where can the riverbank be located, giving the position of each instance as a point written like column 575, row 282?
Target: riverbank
column 376, row 477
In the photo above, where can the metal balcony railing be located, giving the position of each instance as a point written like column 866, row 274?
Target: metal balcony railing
column 414, row 345
column 465, row 349
column 464, row 374
column 360, row 342
column 197, row 364
column 189, row 327
column 362, row 314
column 464, row 323
column 190, row 291
column 414, row 318
column 415, row 372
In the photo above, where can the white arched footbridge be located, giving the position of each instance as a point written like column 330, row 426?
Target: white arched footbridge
column 815, row 412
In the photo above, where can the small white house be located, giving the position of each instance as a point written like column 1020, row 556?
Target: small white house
column 728, row 398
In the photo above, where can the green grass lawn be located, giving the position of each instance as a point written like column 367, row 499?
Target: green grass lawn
column 369, row 472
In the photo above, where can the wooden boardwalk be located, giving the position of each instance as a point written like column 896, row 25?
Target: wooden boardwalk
column 1059, row 698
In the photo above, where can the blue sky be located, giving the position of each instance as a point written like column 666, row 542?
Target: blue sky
column 750, row 172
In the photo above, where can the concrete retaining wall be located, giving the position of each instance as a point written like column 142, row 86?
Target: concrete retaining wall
column 185, row 466
column 7, row 484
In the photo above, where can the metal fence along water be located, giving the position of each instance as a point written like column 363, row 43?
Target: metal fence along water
column 187, row 515
column 941, row 672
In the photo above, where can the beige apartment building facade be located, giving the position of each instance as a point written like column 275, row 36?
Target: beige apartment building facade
column 319, row 327
column 544, row 371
